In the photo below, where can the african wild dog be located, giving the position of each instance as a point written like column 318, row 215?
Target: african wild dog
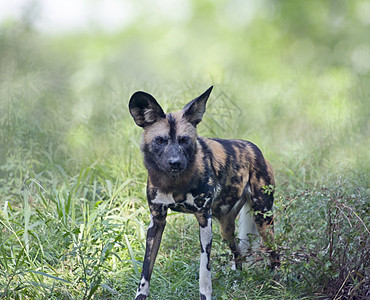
column 203, row 176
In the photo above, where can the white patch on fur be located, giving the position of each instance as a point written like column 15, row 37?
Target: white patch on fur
column 206, row 233
column 143, row 288
column 151, row 222
column 205, row 280
column 247, row 230
column 218, row 189
column 149, row 115
column 189, row 199
column 207, row 200
column 249, row 190
column 162, row 198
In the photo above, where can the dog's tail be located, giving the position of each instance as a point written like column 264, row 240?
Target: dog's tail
column 247, row 231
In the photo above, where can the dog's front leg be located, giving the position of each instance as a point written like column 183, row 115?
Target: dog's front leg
column 205, row 236
column 153, row 240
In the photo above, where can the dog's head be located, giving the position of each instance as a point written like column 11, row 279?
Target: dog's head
column 169, row 140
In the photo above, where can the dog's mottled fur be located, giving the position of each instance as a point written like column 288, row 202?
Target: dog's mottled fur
column 203, row 176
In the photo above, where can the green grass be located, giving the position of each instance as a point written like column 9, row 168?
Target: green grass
column 73, row 212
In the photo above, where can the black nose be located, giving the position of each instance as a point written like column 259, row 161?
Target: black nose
column 175, row 163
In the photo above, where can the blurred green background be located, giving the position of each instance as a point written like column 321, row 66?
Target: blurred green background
column 287, row 75
column 291, row 76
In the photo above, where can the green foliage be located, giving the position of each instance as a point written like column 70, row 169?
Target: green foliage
column 326, row 244
column 291, row 77
column 64, row 228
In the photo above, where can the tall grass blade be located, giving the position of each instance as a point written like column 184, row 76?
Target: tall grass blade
column 49, row 276
column 132, row 255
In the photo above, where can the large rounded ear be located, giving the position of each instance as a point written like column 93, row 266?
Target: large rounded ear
column 145, row 109
column 194, row 110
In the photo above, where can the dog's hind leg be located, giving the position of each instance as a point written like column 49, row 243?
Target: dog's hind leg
column 264, row 220
column 227, row 226
column 248, row 235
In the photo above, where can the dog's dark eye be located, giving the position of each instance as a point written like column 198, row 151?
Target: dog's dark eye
column 183, row 140
column 160, row 140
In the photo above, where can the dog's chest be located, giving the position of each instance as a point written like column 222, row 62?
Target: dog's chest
column 198, row 200
column 190, row 202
